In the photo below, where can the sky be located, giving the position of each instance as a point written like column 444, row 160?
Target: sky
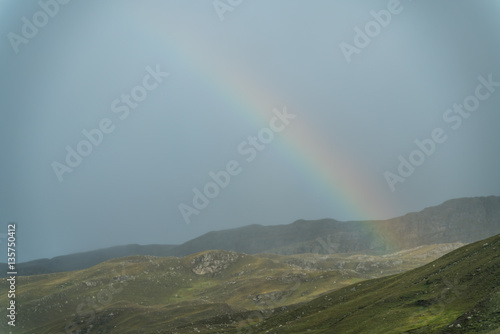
column 154, row 122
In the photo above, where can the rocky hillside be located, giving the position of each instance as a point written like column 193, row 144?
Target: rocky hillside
column 458, row 293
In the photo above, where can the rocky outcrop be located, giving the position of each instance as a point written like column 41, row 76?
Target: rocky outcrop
column 213, row 262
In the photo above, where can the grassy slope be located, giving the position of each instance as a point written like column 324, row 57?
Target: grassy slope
column 457, row 293
column 138, row 288
column 154, row 293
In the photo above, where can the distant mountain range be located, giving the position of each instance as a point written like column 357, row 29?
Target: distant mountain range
column 462, row 220
column 85, row 260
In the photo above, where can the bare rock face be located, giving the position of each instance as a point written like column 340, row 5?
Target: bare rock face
column 213, row 262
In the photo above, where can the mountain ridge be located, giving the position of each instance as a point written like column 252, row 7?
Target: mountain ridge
column 457, row 220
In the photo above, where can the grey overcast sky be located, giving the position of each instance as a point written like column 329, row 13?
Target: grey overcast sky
column 115, row 113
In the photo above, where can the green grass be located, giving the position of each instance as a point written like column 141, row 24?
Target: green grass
column 145, row 294
column 462, row 287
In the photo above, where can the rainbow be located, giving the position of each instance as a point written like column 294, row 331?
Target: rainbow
column 336, row 174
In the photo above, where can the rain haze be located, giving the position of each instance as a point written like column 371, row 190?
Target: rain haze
column 154, row 122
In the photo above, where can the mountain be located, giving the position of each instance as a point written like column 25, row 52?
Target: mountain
column 462, row 220
column 458, row 293
column 169, row 294
column 459, row 220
